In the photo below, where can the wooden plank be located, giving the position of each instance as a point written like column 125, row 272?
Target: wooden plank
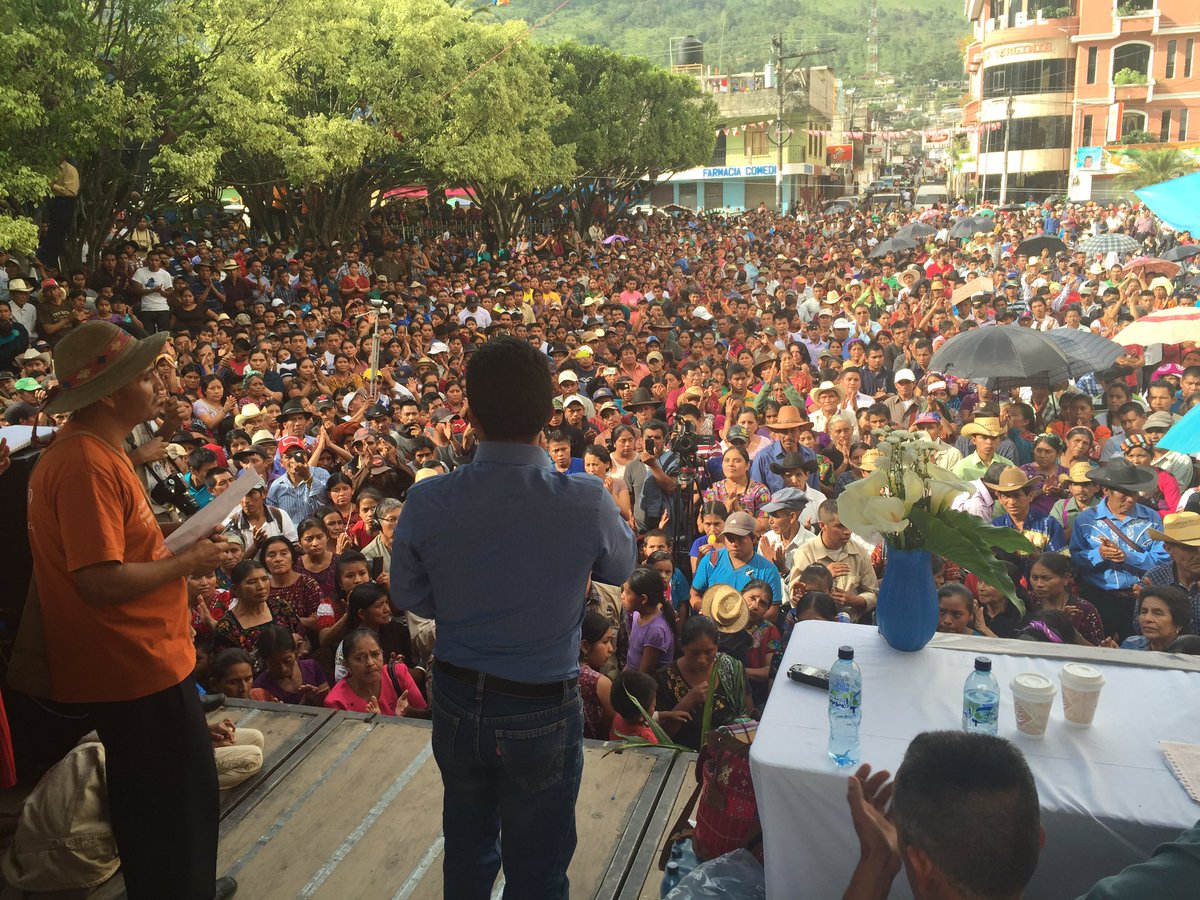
column 636, row 821
column 644, row 876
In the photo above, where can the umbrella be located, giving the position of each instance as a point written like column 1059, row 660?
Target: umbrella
column 1012, row 207
column 1152, row 266
column 895, row 245
column 615, row 237
column 986, row 213
column 1109, row 242
column 916, row 231
column 974, row 286
column 1184, row 435
column 966, row 228
column 1163, row 326
column 1085, row 352
column 929, row 215
column 1035, row 245
column 1009, row 352
column 1182, row 252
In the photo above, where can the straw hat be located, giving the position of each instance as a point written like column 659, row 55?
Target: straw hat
column 724, row 605
column 96, row 360
column 986, row 426
column 1011, row 479
column 824, row 388
column 789, row 418
column 249, row 413
column 870, row 461
column 1077, row 474
column 1178, row 528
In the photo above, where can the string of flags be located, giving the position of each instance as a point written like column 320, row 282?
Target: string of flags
column 930, row 134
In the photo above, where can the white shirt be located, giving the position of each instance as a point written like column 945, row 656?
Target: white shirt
column 482, row 317
column 154, row 282
column 26, row 315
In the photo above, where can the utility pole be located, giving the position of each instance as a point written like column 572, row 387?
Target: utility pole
column 1008, row 113
column 779, row 132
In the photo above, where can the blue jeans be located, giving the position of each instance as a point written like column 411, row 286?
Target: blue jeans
column 511, row 768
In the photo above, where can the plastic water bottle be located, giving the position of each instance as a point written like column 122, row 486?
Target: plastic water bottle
column 671, row 878
column 981, row 699
column 845, row 708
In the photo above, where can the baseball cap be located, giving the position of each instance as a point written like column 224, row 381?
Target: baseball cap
column 362, row 434
column 572, row 400
column 289, row 443
column 739, row 523
column 737, row 433
column 904, row 375
column 929, row 417
column 438, row 347
column 1156, row 420
column 654, row 356
column 27, row 384
column 566, row 376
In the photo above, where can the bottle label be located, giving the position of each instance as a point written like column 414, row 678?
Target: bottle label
column 843, row 699
column 980, row 707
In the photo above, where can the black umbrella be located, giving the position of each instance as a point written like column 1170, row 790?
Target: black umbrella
column 1000, row 351
column 1182, row 252
column 894, row 245
column 1012, row 207
column 916, row 231
column 1035, row 245
column 1085, row 352
column 966, row 227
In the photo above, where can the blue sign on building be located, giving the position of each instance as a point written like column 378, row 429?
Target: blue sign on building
column 739, row 171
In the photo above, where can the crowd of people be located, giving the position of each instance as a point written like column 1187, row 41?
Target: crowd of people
column 724, row 378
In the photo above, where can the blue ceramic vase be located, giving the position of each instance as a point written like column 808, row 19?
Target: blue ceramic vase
column 907, row 612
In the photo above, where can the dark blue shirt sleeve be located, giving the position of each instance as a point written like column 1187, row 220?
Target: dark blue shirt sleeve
column 617, row 547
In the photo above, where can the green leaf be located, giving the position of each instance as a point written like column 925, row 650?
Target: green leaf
column 706, row 721
column 965, row 544
column 987, row 536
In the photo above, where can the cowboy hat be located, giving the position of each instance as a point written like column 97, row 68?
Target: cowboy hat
column 1077, row 474
column 641, row 397
column 293, row 408
column 1011, row 479
column 724, row 605
column 824, row 388
column 230, row 266
column 789, row 418
column 762, row 358
column 790, row 461
column 32, row 354
column 1119, row 474
column 986, row 426
column 249, row 413
column 1178, row 528
column 20, row 285
column 96, row 360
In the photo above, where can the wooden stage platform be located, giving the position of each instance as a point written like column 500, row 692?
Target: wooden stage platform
column 349, row 806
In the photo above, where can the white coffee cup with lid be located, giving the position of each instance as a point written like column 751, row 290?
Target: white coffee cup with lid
column 1033, row 696
column 1081, row 686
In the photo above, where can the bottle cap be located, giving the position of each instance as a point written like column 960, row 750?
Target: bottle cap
column 983, row 664
column 845, row 653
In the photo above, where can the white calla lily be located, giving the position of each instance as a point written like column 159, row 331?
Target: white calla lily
column 854, row 501
column 942, row 494
column 887, row 514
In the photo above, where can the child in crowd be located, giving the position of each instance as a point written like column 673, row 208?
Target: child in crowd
column 231, row 673
column 597, row 641
column 652, row 627
column 711, row 522
column 207, row 601
column 660, row 561
column 765, row 640
column 629, row 720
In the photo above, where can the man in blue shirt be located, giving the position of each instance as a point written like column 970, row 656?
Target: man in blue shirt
column 1110, row 545
column 301, row 491
column 498, row 553
column 737, row 564
column 787, row 428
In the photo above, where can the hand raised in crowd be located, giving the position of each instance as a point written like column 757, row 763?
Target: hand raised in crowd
column 402, row 704
column 373, row 704
column 154, row 450
column 868, row 795
column 839, row 569
column 695, row 698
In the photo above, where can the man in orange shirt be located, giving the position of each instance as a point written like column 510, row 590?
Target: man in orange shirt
column 116, row 619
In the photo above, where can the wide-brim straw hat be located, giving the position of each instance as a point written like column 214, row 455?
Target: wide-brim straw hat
column 723, row 604
column 1179, row 528
column 1077, row 474
column 96, row 360
column 826, row 387
column 986, row 426
column 1012, row 479
column 249, row 413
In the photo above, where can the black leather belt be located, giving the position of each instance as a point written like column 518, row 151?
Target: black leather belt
column 504, row 685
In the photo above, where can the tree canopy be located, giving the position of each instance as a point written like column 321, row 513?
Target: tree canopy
column 156, row 101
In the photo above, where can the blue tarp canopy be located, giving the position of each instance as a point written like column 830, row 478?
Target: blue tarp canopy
column 1176, row 202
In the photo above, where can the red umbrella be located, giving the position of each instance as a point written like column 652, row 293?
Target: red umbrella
column 1152, row 266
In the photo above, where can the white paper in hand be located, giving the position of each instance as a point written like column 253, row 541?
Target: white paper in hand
column 202, row 523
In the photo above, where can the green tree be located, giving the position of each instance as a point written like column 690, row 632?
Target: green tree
column 629, row 121
column 1154, row 167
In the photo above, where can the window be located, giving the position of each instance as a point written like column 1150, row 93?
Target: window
column 1037, row 133
column 1187, row 57
column 1183, row 117
column 1164, row 130
column 1133, row 121
column 1085, row 139
column 756, row 143
column 1172, row 46
column 1093, row 54
column 1041, row 76
column 718, row 154
column 1131, row 56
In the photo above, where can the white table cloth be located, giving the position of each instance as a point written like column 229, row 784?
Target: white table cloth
column 1107, row 795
